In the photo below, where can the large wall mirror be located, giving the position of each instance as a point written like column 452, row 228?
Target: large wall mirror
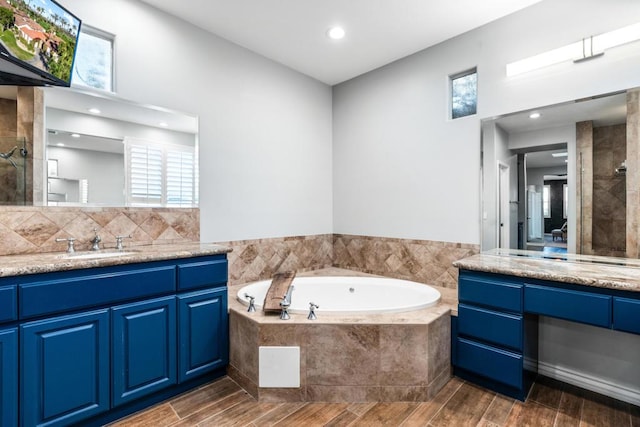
column 105, row 151
column 555, row 178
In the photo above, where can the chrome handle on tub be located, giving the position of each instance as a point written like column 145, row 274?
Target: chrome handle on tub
column 252, row 305
column 69, row 240
column 312, row 311
column 284, row 315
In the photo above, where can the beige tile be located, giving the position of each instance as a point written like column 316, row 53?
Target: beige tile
column 404, row 358
column 330, row 393
column 334, row 348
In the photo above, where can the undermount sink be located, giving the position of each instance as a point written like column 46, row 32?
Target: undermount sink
column 97, row 255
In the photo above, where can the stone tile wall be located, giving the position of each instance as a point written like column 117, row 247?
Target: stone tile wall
column 32, row 229
column 423, row 261
column 395, row 362
column 259, row 259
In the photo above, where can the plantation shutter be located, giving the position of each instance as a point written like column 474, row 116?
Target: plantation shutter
column 180, row 176
column 160, row 174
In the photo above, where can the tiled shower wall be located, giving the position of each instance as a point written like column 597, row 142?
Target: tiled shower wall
column 31, row 229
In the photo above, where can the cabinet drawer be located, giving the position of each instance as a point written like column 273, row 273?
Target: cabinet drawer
column 206, row 273
column 497, row 328
column 8, row 303
column 491, row 362
column 86, row 289
column 593, row 309
column 490, row 293
column 626, row 315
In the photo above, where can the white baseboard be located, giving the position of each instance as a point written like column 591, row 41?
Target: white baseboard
column 589, row 382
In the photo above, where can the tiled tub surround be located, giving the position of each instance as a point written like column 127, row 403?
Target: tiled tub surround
column 258, row 259
column 347, row 358
column 33, row 229
column 424, row 261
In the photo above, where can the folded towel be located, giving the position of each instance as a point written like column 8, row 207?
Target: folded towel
column 278, row 289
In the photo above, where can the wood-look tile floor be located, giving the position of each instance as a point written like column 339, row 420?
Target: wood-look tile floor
column 459, row 403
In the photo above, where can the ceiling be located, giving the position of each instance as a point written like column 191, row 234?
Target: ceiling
column 603, row 111
column 293, row 32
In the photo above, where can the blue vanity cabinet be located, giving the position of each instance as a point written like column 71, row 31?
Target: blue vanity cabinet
column 9, row 377
column 490, row 345
column 203, row 336
column 143, row 348
column 64, row 369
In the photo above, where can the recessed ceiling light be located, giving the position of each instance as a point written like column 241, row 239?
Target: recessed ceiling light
column 94, row 111
column 566, row 160
column 75, row 135
column 535, row 115
column 565, row 154
column 336, row 33
column 164, row 124
column 60, row 144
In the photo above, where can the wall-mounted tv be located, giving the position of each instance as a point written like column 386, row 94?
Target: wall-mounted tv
column 38, row 40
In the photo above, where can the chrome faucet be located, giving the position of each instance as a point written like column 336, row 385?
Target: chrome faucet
column 287, row 297
column 69, row 240
column 285, row 303
column 119, row 246
column 312, row 311
column 95, row 242
column 252, row 303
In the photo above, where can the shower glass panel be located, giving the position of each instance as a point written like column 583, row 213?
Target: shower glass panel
column 534, row 214
column 13, row 171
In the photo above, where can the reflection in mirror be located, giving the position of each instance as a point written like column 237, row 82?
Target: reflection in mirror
column 111, row 152
column 554, row 178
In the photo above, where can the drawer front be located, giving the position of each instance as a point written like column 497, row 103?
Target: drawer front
column 490, row 293
column 8, row 303
column 491, row 362
column 87, row 290
column 497, row 328
column 593, row 309
column 626, row 315
column 209, row 273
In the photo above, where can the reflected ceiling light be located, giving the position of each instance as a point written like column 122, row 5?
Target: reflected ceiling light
column 94, row 111
column 336, row 33
column 60, row 144
column 560, row 154
column 164, row 124
column 75, row 135
column 535, row 115
column 566, row 161
column 587, row 48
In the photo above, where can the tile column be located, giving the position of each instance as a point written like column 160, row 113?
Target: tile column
column 633, row 173
column 584, row 187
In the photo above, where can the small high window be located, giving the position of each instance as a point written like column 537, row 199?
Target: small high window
column 464, row 93
column 93, row 65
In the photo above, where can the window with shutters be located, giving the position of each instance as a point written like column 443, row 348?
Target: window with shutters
column 160, row 174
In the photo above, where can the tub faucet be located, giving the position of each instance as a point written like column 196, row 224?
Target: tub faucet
column 95, row 242
column 284, row 314
column 288, row 295
column 252, row 303
column 312, row 311
column 119, row 246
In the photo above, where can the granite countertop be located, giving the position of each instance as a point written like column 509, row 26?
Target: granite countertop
column 17, row 265
column 602, row 272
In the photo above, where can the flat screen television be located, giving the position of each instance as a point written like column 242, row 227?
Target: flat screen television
column 38, row 40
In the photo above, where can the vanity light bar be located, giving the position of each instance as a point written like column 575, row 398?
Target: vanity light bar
column 587, row 48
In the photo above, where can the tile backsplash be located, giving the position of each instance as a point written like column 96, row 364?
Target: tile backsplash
column 423, row 261
column 32, row 229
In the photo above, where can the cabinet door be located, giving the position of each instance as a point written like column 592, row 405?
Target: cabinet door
column 64, row 369
column 9, row 377
column 144, row 348
column 203, row 333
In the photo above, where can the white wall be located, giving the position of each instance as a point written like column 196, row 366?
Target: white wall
column 402, row 169
column 265, row 130
column 104, row 172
